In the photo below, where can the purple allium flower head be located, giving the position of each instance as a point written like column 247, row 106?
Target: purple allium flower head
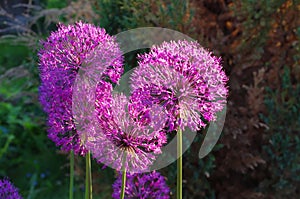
column 142, row 186
column 185, row 79
column 8, row 190
column 144, row 99
column 70, row 49
column 116, row 140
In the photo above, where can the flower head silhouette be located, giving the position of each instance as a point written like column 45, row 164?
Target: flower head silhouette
column 66, row 51
column 143, row 186
column 8, row 190
column 185, row 79
column 116, row 139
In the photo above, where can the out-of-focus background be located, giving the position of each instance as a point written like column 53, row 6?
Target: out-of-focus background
column 257, row 156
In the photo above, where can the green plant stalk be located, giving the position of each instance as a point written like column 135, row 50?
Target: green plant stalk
column 71, row 174
column 179, row 164
column 122, row 195
column 123, row 184
column 6, row 145
column 88, row 176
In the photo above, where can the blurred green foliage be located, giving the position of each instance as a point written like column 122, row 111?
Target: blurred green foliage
column 25, row 150
column 283, row 119
column 120, row 15
column 256, row 20
column 56, row 3
column 8, row 60
column 257, row 15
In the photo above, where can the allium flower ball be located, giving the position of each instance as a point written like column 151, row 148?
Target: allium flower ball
column 118, row 141
column 143, row 186
column 184, row 78
column 66, row 51
column 8, row 190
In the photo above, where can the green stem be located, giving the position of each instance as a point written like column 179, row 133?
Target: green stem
column 123, row 184
column 179, row 164
column 71, row 174
column 88, row 176
column 122, row 195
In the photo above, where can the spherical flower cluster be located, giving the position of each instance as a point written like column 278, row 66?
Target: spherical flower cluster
column 149, row 97
column 185, row 79
column 8, row 190
column 73, row 48
column 142, row 186
column 116, row 139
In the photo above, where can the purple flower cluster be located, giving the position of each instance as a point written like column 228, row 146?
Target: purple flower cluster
column 8, row 190
column 117, row 140
column 66, row 51
column 176, row 84
column 185, row 79
column 142, row 186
